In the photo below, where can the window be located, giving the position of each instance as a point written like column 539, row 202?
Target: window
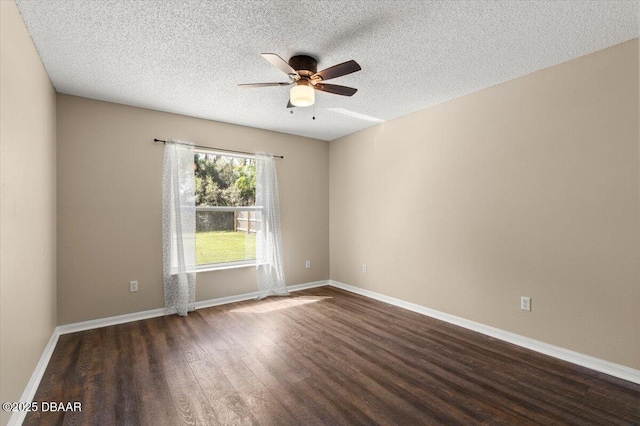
column 226, row 215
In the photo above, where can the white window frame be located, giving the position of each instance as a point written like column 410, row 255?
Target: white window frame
column 225, row 265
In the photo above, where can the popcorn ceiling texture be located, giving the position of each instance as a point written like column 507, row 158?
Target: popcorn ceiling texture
column 187, row 57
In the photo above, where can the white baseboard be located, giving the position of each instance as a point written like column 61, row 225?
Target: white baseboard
column 254, row 294
column 153, row 313
column 105, row 322
column 607, row 367
column 305, row 286
column 30, row 391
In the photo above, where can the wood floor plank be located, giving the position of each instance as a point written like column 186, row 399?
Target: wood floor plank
column 320, row 357
column 127, row 405
column 89, row 367
column 102, row 392
column 152, row 353
column 272, row 378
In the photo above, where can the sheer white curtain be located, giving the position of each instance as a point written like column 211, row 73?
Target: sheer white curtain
column 269, row 256
column 179, row 228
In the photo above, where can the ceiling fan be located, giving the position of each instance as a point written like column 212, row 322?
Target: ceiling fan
column 303, row 74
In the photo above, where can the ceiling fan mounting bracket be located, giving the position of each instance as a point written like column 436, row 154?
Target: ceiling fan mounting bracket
column 305, row 65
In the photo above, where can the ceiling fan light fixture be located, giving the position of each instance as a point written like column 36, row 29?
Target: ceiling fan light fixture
column 302, row 95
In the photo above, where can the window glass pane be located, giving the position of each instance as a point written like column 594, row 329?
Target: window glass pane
column 225, row 181
column 225, row 236
column 222, row 237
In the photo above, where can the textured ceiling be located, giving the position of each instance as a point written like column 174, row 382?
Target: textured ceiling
column 186, row 57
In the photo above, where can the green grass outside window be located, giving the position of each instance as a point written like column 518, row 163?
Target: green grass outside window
column 224, row 246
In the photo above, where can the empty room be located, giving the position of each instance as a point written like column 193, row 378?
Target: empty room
column 348, row 212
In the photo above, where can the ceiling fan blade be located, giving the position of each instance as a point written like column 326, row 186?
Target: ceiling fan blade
column 253, row 85
column 290, row 105
column 279, row 63
column 338, row 70
column 335, row 89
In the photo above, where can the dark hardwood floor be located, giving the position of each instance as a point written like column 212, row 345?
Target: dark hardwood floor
column 323, row 356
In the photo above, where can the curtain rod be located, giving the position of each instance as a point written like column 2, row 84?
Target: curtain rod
column 220, row 149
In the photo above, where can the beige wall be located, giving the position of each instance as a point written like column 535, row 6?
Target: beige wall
column 27, row 208
column 109, row 206
column 528, row 188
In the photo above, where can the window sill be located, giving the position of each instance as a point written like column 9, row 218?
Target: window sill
column 223, row 266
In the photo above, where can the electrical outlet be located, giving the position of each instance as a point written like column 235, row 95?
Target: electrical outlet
column 525, row 303
column 133, row 286
column 364, row 269
column 307, row 264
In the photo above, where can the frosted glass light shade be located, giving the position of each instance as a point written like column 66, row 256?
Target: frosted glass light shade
column 302, row 95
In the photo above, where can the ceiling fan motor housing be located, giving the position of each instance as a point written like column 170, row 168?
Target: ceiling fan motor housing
column 305, row 65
